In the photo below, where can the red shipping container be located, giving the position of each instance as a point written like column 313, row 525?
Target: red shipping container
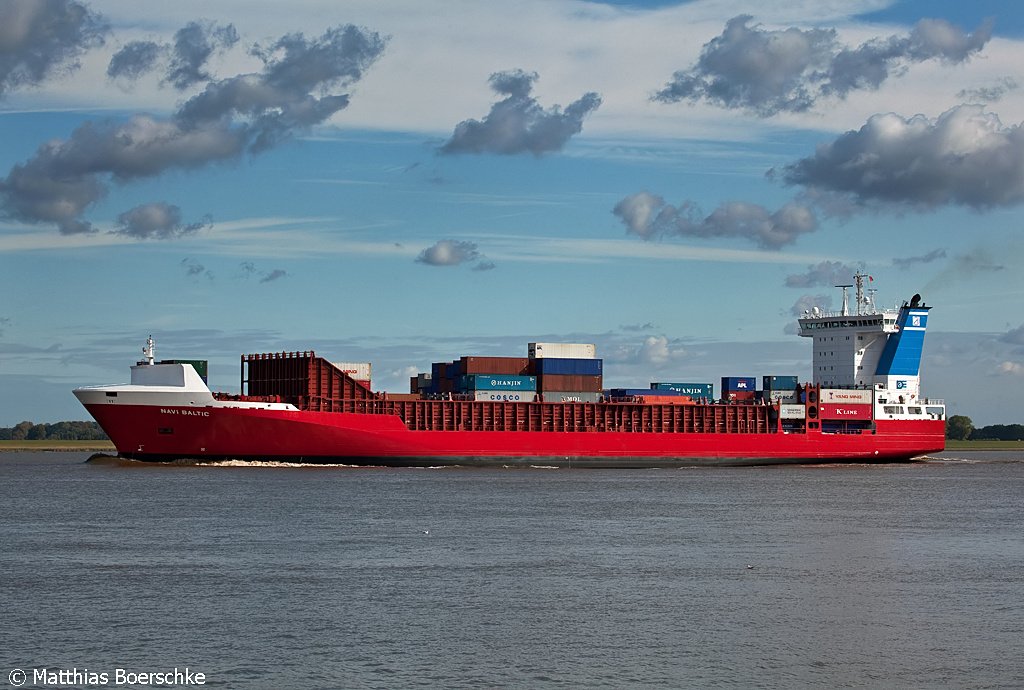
column 738, row 396
column 666, row 400
column 844, row 411
column 510, row 366
column 569, row 382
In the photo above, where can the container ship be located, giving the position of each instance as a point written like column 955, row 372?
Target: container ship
column 863, row 404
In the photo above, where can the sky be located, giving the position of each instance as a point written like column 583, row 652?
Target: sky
column 404, row 182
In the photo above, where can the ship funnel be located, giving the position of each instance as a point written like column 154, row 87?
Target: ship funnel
column 899, row 367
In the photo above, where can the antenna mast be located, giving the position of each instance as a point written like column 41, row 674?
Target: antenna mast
column 846, row 300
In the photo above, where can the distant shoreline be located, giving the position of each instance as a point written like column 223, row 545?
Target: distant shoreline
column 58, row 446
column 984, row 445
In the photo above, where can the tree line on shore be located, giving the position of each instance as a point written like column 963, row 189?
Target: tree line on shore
column 960, row 428
column 58, row 431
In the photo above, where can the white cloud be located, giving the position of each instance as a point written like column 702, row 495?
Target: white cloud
column 429, row 78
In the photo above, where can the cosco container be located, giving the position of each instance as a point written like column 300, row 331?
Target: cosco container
column 504, row 396
column 779, row 383
column 781, row 396
column 732, row 384
column 567, row 366
column 694, row 390
column 571, row 396
column 565, row 350
column 360, row 371
column 497, row 382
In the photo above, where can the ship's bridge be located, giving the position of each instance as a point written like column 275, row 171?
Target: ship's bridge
column 848, row 345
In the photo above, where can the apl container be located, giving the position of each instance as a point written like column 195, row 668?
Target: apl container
column 694, row 390
column 565, row 350
column 732, row 384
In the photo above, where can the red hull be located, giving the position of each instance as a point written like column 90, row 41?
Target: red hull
column 144, row 432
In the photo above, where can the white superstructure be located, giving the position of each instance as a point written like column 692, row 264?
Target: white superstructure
column 877, row 350
column 164, row 384
column 848, row 346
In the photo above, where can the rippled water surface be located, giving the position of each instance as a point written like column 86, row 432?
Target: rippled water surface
column 271, row 577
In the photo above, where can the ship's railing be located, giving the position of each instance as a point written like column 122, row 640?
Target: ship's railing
column 459, row 415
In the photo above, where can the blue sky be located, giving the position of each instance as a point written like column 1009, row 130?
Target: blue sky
column 405, row 182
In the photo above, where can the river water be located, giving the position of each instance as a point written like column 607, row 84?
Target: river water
column 891, row 576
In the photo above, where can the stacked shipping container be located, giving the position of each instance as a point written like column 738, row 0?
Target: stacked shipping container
column 567, row 372
column 556, row 372
column 780, row 389
column 738, row 388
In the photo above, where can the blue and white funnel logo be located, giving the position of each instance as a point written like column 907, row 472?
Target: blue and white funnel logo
column 902, row 353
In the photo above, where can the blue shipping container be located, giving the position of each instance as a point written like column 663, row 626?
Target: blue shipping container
column 568, row 367
column 627, row 392
column 694, row 390
column 737, row 384
column 779, row 383
column 497, row 382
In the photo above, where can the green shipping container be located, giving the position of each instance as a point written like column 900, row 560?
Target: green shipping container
column 200, row 365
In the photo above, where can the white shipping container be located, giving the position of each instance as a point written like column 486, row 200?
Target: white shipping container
column 505, row 396
column 571, row 396
column 792, row 411
column 781, row 396
column 845, row 395
column 360, row 371
column 563, row 350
